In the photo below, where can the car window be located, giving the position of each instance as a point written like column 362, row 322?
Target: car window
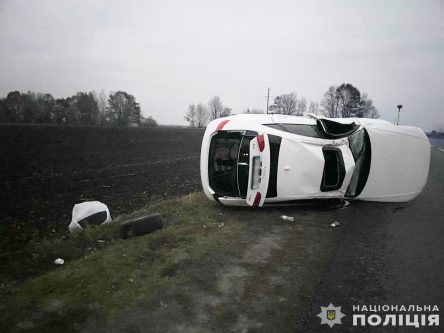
column 301, row 129
column 222, row 162
column 359, row 143
column 228, row 163
column 334, row 169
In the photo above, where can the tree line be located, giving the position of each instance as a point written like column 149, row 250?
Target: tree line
column 84, row 108
column 201, row 114
column 343, row 101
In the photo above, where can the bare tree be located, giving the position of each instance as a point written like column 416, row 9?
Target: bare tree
column 102, row 104
column 313, row 107
column 202, row 115
column 347, row 101
column 329, row 103
column 301, row 106
column 368, row 110
column 190, row 116
column 285, row 104
column 226, row 112
column 215, row 107
column 254, row 111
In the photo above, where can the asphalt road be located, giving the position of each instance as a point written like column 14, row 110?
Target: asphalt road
column 389, row 254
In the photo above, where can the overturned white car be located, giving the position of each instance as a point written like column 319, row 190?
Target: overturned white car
column 263, row 159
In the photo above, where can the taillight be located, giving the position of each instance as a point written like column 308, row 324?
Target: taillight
column 261, row 142
column 222, row 124
column 257, row 199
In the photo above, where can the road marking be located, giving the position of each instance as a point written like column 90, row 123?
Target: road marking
column 441, row 149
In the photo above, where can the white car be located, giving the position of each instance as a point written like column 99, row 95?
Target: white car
column 264, row 159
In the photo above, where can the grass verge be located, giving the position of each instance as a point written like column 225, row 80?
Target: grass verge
column 127, row 271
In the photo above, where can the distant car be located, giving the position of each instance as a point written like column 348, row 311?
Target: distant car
column 264, row 159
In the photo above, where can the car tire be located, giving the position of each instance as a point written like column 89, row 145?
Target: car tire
column 141, row 226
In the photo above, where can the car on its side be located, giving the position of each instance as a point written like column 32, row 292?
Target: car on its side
column 264, row 159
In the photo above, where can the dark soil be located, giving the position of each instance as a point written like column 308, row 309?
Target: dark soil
column 45, row 170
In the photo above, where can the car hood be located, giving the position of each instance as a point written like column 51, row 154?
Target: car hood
column 400, row 161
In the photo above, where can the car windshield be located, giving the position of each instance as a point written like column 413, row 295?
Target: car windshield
column 228, row 163
column 359, row 143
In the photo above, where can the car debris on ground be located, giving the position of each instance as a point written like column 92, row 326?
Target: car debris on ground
column 89, row 213
column 335, row 224
column 141, row 225
column 97, row 213
column 59, row 261
column 287, row 218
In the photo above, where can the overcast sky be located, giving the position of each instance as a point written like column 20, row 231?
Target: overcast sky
column 170, row 54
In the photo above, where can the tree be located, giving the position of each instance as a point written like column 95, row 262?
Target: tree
column 190, row 116
column 301, row 106
column 202, row 115
column 215, row 107
column 367, row 107
column 285, row 104
column 102, row 104
column 329, row 103
column 13, row 106
column 30, row 108
column 81, row 108
column 349, row 99
column 61, row 111
column 3, row 111
column 313, row 107
column 123, row 109
column 37, row 108
column 73, row 110
column 226, row 112
column 88, row 108
column 254, row 111
column 346, row 101
column 149, row 122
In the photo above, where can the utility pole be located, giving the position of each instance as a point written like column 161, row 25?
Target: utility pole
column 268, row 98
column 399, row 110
